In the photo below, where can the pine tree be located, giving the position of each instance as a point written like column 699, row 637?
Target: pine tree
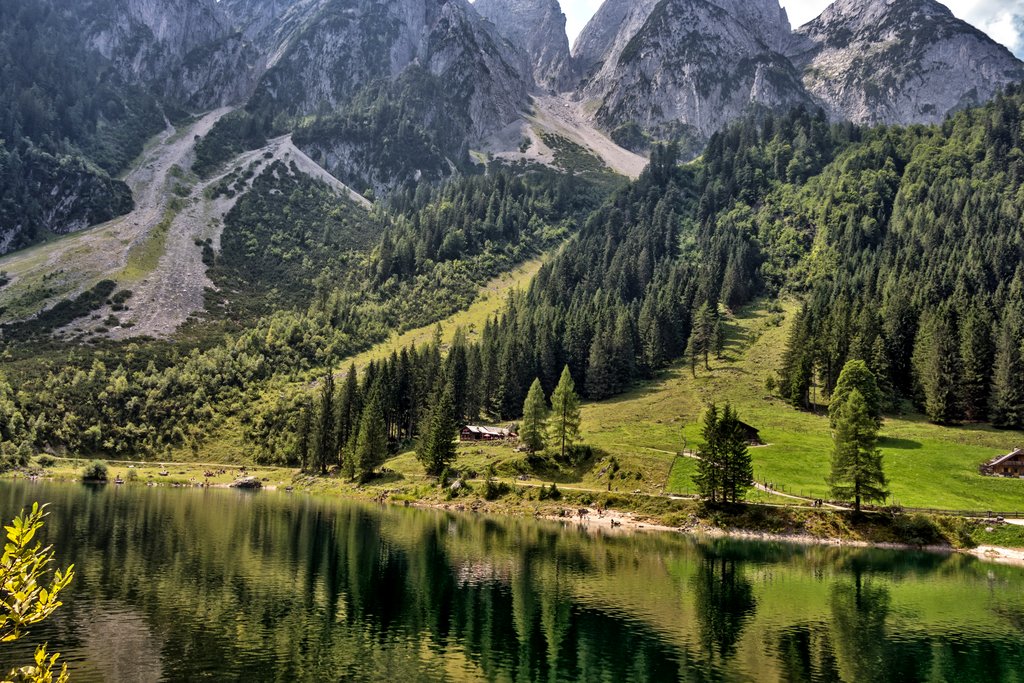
column 1006, row 406
column 533, row 429
column 565, row 414
column 437, row 448
column 856, row 461
column 371, row 446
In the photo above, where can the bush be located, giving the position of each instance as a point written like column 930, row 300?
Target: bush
column 96, row 471
column 550, row 493
column 46, row 461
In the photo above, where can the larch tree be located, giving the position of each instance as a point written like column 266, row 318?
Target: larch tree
column 856, row 375
column 533, row 429
column 857, row 472
column 565, row 414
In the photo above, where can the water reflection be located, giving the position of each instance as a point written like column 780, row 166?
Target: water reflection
column 182, row 585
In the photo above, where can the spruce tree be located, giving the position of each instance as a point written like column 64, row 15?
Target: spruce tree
column 565, row 414
column 303, row 445
column 1006, row 406
column 977, row 355
column 601, row 371
column 856, row 461
column 533, row 429
column 937, row 366
column 437, row 448
column 737, row 467
column 325, row 437
column 371, row 447
column 710, row 467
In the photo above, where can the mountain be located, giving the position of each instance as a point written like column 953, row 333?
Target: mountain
column 538, row 28
column 399, row 90
column 687, row 66
column 898, row 62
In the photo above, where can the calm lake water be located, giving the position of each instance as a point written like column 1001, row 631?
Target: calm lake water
column 190, row 585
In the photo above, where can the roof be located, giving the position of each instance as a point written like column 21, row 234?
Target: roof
column 486, row 431
column 747, row 427
column 1003, row 458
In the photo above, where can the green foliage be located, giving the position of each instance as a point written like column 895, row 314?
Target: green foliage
column 549, row 493
column 856, row 461
column 372, row 440
column 724, row 473
column 231, row 135
column 437, row 449
column 564, row 424
column 856, row 376
column 26, row 599
column 95, row 472
column 533, row 429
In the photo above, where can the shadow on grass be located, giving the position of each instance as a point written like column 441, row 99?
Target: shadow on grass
column 899, row 444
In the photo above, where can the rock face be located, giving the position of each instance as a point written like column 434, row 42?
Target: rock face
column 349, row 44
column 687, row 66
column 187, row 51
column 537, row 27
column 898, row 61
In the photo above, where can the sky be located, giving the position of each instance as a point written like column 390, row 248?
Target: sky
column 1001, row 19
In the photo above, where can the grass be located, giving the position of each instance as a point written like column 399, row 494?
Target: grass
column 928, row 466
column 178, row 474
column 489, row 302
column 144, row 256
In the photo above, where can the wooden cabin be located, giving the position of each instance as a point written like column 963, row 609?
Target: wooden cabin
column 1009, row 465
column 752, row 433
column 478, row 433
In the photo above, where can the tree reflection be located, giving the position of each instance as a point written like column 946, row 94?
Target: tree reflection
column 725, row 602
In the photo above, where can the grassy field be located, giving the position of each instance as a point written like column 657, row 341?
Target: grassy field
column 927, row 465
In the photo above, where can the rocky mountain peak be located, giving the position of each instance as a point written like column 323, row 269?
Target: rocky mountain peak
column 538, row 28
column 898, row 61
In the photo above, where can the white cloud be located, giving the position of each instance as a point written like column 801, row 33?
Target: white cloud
column 1001, row 19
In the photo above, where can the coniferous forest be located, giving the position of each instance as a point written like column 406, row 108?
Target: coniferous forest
column 904, row 245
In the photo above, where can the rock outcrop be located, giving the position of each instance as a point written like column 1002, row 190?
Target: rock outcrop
column 537, row 27
column 898, row 61
column 687, row 67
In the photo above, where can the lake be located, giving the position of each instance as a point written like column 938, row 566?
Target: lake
column 193, row 584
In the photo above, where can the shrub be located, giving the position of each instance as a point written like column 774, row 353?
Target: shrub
column 46, row 460
column 96, row 471
column 550, row 493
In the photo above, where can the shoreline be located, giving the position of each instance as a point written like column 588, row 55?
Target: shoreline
column 615, row 522
column 572, row 514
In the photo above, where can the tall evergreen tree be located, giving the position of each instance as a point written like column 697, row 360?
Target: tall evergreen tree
column 437, row 448
column 856, row 375
column 564, row 424
column 325, row 452
column 977, row 355
column 533, row 429
column 371, row 447
column 710, row 467
column 937, row 365
column 738, row 469
column 1006, row 407
column 856, row 461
